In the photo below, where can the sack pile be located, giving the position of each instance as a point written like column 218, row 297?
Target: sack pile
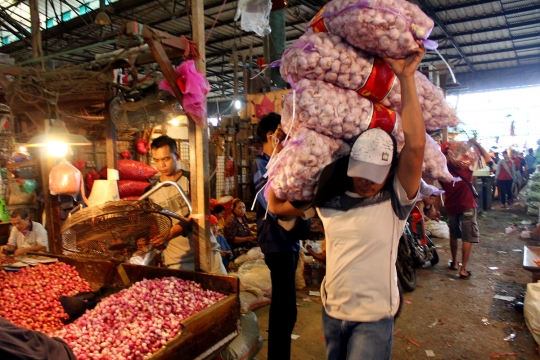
column 343, row 87
column 134, row 178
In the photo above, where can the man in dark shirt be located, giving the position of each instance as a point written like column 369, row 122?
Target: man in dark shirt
column 280, row 247
column 18, row 343
column 461, row 208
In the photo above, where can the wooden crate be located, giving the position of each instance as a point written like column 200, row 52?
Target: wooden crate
column 202, row 334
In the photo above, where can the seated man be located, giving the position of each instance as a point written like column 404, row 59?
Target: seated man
column 26, row 235
column 428, row 209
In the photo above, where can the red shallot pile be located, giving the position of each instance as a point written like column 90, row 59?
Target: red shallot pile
column 387, row 28
column 325, row 57
column 7, row 260
column 138, row 321
column 29, row 297
column 294, row 172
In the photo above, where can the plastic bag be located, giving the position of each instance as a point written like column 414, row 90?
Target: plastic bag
column 15, row 196
column 426, row 190
column 438, row 229
column 29, row 186
column 250, row 301
column 255, row 14
column 257, row 274
column 65, row 179
column 248, row 343
column 193, row 85
column 463, row 154
column 531, row 310
column 255, row 254
column 144, row 260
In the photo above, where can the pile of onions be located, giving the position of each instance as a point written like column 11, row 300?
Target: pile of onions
column 29, row 297
column 138, row 321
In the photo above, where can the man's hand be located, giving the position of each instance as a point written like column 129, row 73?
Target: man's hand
column 225, row 252
column 159, row 241
column 407, row 67
column 20, row 252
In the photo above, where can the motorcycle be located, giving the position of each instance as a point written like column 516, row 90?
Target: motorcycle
column 415, row 250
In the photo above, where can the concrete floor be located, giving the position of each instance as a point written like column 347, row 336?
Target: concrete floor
column 446, row 316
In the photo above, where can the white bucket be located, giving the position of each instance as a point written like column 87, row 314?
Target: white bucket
column 103, row 191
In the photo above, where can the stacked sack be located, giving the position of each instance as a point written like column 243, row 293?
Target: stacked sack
column 134, row 178
column 342, row 87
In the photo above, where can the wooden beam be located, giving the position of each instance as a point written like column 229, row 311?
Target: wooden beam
column 51, row 204
column 198, row 154
column 36, row 30
column 110, row 140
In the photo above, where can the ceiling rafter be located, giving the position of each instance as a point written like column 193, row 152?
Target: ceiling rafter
column 441, row 25
column 9, row 20
column 490, row 29
column 517, row 11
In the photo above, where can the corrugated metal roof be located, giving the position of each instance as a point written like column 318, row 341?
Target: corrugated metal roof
column 473, row 36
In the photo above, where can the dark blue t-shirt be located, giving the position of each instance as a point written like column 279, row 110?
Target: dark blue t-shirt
column 270, row 235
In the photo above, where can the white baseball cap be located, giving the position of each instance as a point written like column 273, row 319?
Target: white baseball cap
column 371, row 156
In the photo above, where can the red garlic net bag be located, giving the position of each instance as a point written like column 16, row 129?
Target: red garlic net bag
column 463, row 154
column 326, row 57
column 293, row 173
column 387, row 28
column 335, row 112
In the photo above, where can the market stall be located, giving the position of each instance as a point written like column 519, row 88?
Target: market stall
column 115, row 118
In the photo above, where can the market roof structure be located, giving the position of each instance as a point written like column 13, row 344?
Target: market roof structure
column 491, row 44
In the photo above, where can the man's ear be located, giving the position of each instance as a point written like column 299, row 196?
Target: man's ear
column 268, row 134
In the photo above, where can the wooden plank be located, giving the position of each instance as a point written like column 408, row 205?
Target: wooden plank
column 134, row 28
column 198, row 155
column 52, row 207
column 110, row 141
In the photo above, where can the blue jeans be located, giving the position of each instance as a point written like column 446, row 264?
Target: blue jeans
column 358, row 340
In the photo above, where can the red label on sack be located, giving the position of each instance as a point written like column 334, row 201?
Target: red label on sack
column 379, row 82
column 383, row 118
column 317, row 23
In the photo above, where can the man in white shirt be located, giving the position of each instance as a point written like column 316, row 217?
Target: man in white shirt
column 26, row 235
column 363, row 220
column 178, row 253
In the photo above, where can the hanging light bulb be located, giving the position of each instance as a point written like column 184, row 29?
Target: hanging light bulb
column 102, row 18
column 57, row 149
column 237, row 104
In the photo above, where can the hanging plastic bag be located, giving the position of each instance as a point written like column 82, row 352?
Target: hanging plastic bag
column 255, row 14
column 66, row 179
column 29, row 186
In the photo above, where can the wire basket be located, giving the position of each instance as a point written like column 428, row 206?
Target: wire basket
column 92, row 231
